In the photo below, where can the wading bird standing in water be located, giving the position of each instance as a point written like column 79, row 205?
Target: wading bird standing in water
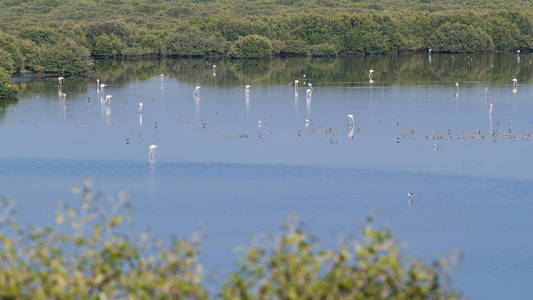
column 196, row 92
column 457, row 91
column 410, row 201
column 214, row 70
column 152, row 154
column 108, row 99
column 60, row 87
column 515, row 85
column 371, row 76
column 97, row 85
column 296, row 82
column 308, row 94
column 140, row 110
column 351, row 120
column 307, row 124
column 247, row 89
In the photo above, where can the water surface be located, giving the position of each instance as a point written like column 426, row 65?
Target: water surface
column 233, row 165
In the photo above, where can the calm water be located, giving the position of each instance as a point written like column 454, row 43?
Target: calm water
column 232, row 166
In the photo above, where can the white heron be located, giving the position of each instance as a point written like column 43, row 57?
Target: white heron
column 351, row 120
column 152, row 154
column 108, row 99
column 196, row 92
column 140, row 110
column 102, row 86
column 247, row 89
column 429, row 51
column 214, row 70
column 515, row 82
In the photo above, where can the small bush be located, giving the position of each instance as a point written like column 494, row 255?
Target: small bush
column 7, row 88
column 65, row 57
column 108, row 45
column 294, row 47
column 194, row 42
column 252, row 46
column 459, row 37
column 323, row 50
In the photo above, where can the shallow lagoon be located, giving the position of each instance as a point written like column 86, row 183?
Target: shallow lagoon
column 220, row 171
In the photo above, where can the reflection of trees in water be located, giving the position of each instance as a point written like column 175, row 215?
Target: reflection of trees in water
column 393, row 70
column 4, row 103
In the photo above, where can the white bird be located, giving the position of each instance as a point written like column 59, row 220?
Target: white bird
column 108, row 99
column 309, row 93
column 371, row 76
column 196, row 92
column 247, row 89
column 351, row 120
column 214, row 70
column 429, row 51
column 410, row 201
column 97, row 85
column 491, row 109
column 60, row 87
column 307, row 123
column 102, row 86
column 296, row 83
column 152, row 154
column 140, row 110
column 515, row 82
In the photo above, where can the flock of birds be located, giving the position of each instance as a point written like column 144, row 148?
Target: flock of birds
column 351, row 122
column 152, row 151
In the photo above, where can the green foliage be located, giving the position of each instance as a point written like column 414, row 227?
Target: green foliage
column 323, row 50
column 251, row 46
column 458, row 37
column 7, row 88
column 108, row 45
column 292, row 267
column 225, row 27
column 194, row 42
column 88, row 255
column 68, row 57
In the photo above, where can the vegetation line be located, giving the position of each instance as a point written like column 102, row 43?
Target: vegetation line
column 63, row 37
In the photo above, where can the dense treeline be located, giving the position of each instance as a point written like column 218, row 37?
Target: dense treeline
column 89, row 254
column 52, row 36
